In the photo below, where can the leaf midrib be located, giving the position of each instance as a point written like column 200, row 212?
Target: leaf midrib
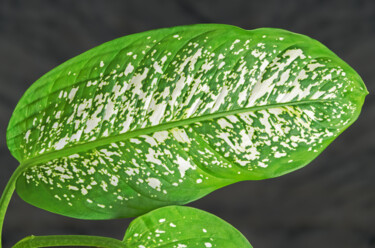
column 144, row 131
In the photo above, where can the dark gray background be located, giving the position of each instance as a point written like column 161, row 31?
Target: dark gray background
column 330, row 203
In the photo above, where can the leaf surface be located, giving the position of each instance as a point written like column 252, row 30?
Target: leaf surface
column 179, row 227
column 167, row 116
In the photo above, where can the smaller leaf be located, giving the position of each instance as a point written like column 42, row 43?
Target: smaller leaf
column 178, row 227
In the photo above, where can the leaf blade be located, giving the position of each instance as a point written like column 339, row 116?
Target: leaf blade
column 225, row 105
column 176, row 226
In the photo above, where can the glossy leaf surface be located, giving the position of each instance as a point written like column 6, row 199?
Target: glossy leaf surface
column 167, row 116
column 179, row 227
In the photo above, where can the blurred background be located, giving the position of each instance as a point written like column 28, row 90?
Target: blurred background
column 330, row 203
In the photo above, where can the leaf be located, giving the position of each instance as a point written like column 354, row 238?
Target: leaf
column 179, row 227
column 167, row 116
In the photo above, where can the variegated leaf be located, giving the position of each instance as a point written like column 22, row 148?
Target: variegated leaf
column 179, row 227
column 167, row 116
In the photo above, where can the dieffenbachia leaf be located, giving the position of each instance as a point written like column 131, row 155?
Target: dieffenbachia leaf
column 167, row 116
column 179, row 227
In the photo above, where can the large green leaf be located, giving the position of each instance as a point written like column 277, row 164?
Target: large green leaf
column 167, row 116
column 179, row 227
